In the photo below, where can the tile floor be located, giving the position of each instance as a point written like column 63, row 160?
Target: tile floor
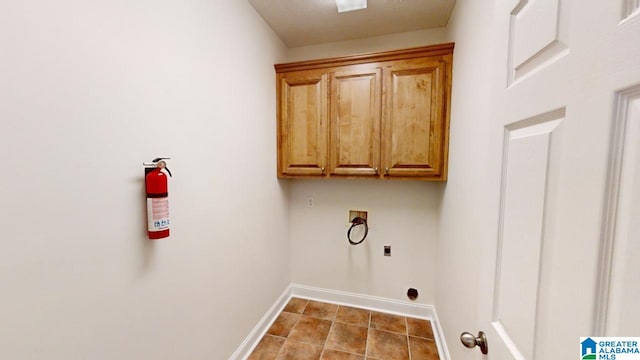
column 312, row 330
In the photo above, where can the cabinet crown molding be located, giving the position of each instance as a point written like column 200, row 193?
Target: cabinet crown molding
column 417, row 52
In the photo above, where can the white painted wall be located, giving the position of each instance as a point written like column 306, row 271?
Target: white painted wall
column 88, row 91
column 372, row 44
column 403, row 214
column 465, row 211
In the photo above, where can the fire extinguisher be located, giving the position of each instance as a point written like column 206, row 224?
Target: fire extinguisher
column 157, row 198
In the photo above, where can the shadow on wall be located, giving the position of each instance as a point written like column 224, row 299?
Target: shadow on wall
column 146, row 248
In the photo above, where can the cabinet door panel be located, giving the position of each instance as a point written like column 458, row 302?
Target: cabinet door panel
column 380, row 115
column 302, row 133
column 415, row 123
column 354, row 145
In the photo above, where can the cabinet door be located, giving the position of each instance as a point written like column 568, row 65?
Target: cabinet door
column 354, row 126
column 415, row 123
column 302, row 131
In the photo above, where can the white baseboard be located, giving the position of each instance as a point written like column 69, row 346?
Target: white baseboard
column 254, row 337
column 380, row 304
column 369, row 302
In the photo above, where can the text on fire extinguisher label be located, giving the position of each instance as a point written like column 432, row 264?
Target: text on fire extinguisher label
column 158, row 213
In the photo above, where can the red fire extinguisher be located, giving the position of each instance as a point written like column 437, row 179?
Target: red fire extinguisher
column 157, row 198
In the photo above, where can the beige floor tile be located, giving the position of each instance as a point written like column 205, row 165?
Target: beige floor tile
column 313, row 330
column 353, row 316
column 349, row 338
column 386, row 345
column 293, row 350
column 310, row 330
column 419, row 328
column 329, row 354
column 321, row 310
column 283, row 324
column 423, row 349
column 267, row 348
column 296, row 305
column 388, row 322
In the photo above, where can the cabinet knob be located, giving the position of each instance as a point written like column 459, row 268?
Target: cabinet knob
column 386, row 170
column 375, row 170
column 322, row 169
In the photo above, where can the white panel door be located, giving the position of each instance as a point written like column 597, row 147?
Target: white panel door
column 566, row 124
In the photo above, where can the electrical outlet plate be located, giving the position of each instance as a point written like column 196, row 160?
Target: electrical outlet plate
column 309, row 201
column 357, row 213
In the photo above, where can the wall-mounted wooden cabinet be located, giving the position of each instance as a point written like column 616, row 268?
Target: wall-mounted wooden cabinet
column 383, row 115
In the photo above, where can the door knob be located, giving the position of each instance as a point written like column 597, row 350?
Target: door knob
column 471, row 341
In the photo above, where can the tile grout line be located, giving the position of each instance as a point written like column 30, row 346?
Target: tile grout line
column 294, row 325
column 366, row 345
column 324, row 345
column 334, row 323
column 406, row 325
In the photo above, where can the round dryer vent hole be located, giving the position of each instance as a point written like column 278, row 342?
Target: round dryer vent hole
column 412, row 293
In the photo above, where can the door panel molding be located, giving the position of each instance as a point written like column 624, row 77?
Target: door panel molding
column 508, row 342
column 624, row 161
column 534, row 38
column 631, row 8
column 520, row 250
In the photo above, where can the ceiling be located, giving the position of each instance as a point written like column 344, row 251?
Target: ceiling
column 309, row 22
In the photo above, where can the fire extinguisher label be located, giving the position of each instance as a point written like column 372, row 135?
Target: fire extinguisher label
column 158, row 213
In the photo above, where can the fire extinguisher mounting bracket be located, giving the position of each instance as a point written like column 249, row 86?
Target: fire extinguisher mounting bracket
column 157, row 163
